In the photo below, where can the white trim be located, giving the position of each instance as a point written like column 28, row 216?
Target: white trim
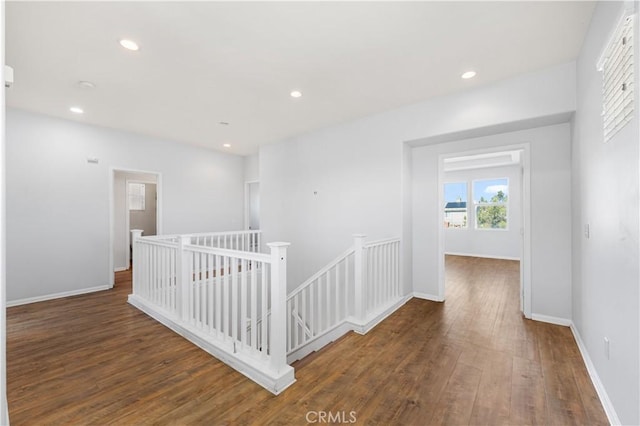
column 57, row 295
column 486, row 256
column 551, row 320
column 247, row 203
column 273, row 381
column 349, row 324
column 427, row 296
column 380, row 315
column 315, row 345
column 120, row 269
column 595, row 379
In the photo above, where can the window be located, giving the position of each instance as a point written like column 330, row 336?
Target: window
column 136, row 196
column 455, row 205
column 616, row 65
column 491, row 201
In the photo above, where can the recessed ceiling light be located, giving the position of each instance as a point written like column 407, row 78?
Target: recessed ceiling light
column 227, row 145
column 129, row 44
column 76, row 110
column 296, row 94
column 86, row 84
column 469, row 74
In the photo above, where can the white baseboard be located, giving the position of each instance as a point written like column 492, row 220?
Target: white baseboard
column 486, row 256
column 274, row 382
column 380, row 315
column 595, row 379
column 315, row 345
column 46, row 297
column 120, row 269
column 349, row 324
column 551, row 320
column 427, row 296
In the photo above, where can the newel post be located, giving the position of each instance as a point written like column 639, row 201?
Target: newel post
column 182, row 278
column 358, row 270
column 278, row 337
column 135, row 261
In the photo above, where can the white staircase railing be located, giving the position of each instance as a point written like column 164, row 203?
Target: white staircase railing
column 321, row 303
column 355, row 292
column 218, row 291
column 220, row 299
column 381, row 273
column 234, row 240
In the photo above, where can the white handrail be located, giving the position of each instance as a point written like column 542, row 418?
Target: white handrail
column 202, row 234
column 218, row 291
column 320, row 273
column 350, row 293
column 219, row 297
column 248, row 255
column 381, row 242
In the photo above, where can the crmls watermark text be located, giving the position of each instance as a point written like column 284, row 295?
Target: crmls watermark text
column 331, row 417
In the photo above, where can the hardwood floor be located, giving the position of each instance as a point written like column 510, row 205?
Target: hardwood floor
column 94, row 359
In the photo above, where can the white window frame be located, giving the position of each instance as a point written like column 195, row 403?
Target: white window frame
column 478, row 204
column 141, row 197
column 617, row 67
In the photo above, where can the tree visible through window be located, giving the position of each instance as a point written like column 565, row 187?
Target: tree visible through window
column 491, row 201
column 136, row 196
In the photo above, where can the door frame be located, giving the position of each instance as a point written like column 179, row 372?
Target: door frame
column 247, row 203
column 111, row 177
column 525, row 246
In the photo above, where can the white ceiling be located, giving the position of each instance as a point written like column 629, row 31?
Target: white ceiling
column 203, row 63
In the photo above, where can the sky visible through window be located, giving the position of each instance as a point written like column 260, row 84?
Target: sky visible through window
column 455, row 191
column 487, row 188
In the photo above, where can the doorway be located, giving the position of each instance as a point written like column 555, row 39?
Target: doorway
column 141, row 210
column 484, row 212
column 134, row 204
column 252, row 205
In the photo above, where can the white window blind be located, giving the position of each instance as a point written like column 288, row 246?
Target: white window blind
column 136, row 196
column 617, row 77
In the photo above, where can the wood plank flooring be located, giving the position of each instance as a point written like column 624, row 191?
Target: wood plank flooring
column 94, row 359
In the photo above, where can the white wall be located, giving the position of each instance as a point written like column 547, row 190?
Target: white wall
column 320, row 188
column 254, row 204
column 605, row 265
column 251, row 168
column 4, row 411
column 58, row 204
column 504, row 244
column 550, row 213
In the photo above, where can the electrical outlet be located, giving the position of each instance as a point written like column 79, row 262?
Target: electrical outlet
column 606, row 348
